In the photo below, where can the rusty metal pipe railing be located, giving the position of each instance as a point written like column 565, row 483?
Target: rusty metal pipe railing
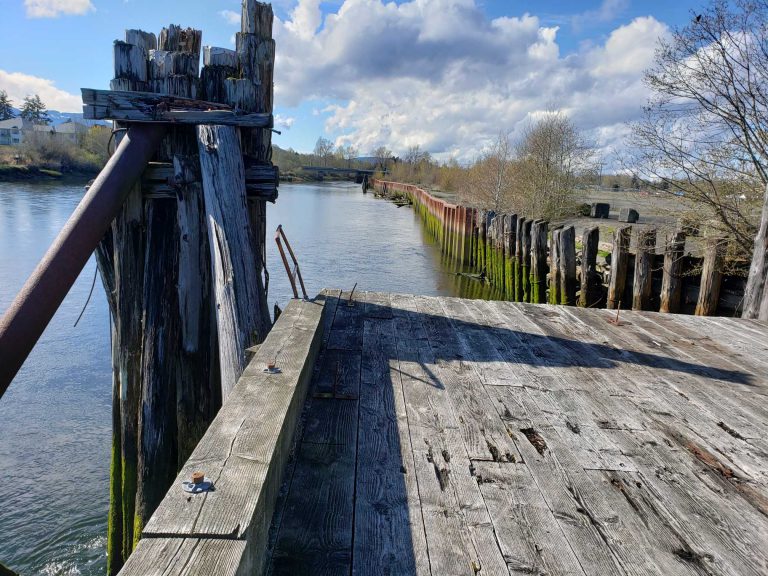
column 34, row 306
column 296, row 272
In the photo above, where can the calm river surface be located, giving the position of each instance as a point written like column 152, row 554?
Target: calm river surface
column 55, row 417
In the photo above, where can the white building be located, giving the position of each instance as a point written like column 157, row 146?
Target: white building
column 12, row 131
column 71, row 130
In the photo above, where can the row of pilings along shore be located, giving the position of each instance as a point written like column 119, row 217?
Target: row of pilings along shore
column 181, row 324
column 528, row 260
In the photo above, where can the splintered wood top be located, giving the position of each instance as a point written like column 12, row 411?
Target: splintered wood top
column 459, row 437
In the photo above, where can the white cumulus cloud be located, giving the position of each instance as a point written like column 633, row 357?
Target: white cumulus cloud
column 440, row 74
column 19, row 85
column 231, row 16
column 284, row 122
column 608, row 11
column 55, row 8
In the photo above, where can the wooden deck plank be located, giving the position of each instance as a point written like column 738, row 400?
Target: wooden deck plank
column 530, row 538
column 664, row 404
column 456, row 520
column 347, row 327
column 316, row 520
column 456, row 359
column 316, row 530
column 684, row 372
column 688, row 399
column 560, row 492
column 632, row 453
column 330, row 297
column 741, row 349
column 389, row 528
column 750, row 396
column 720, row 533
column 578, row 415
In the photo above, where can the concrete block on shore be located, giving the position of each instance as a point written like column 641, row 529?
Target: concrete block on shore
column 600, row 210
column 628, row 215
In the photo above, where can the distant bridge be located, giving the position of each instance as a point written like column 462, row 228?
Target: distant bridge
column 358, row 173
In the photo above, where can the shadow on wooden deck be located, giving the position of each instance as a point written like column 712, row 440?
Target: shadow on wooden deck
column 384, row 477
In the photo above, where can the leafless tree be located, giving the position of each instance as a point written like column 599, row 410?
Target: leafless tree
column 704, row 135
column 383, row 156
column 347, row 154
column 551, row 157
column 324, row 149
column 489, row 180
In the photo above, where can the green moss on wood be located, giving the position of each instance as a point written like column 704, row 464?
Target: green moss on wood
column 115, row 519
column 138, row 528
column 525, row 281
column 130, row 485
column 509, row 277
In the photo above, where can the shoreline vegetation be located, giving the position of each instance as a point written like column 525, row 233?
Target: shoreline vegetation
column 32, row 173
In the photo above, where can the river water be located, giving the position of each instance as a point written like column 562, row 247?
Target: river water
column 55, row 418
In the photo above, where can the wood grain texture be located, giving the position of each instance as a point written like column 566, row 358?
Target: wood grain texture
column 619, row 264
column 591, row 286
column 641, row 287
column 638, row 448
column 187, row 557
column 238, row 288
column 246, row 447
column 711, row 277
column 137, row 106
column 672, row 282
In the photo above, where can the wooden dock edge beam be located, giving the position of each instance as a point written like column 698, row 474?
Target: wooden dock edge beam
column 244, row 452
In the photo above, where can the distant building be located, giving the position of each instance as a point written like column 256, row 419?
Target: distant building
column 12, row 131
column 71, row 130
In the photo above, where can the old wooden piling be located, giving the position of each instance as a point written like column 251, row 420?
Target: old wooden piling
column 590, row 292
column 539, row 262
column 756, row 294
column 711, row 277
column 498, row 247
column 554, row 266
column 567, row 266
column 482, row 239
column 501, row 222
column 526, row 260
column 185, row 257
column 619, row 263
column 641, row 287
column 671, row 283
column 509, row 249
column 519, row 239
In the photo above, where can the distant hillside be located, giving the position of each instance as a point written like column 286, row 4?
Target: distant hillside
column 61, row 117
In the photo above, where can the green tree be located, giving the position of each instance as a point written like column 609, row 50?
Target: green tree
column 35, row 111
column 6, row 106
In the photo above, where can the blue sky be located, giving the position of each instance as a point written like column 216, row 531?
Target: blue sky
column 444, row 74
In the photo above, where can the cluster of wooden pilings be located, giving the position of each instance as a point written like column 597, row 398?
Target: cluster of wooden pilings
column 183, row 263
column 527, row 260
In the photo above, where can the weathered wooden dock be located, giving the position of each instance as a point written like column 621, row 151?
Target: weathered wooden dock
column 459, row 437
